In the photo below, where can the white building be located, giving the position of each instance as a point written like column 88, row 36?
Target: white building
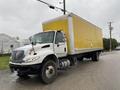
column 5, row 43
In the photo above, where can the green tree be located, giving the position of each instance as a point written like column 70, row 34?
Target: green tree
column 114, row 43
column 106, row 43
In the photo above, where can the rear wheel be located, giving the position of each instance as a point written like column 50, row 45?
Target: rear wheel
column 48, row 71
column 73, row 60
column 95, row 56
column 80, row 58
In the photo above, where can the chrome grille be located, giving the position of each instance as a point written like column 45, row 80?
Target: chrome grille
column 17, row 56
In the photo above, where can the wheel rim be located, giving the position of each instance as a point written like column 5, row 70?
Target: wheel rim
column 50, row 71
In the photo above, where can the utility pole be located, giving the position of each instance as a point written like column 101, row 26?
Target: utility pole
column 64, row 6
column 2, row 47
column 110, row 28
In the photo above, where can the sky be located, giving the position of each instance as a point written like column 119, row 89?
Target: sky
column 23, row 18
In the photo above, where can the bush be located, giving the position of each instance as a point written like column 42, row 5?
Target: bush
column 106, row 43
column 7, row 54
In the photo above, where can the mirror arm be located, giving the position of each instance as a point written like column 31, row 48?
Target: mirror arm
column 33, row 48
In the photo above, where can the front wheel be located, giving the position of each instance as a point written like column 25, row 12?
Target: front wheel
column 48, row 72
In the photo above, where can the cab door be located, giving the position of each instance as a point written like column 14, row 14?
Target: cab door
column 60, row 46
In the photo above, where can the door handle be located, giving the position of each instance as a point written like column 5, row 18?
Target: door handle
column 58, row 45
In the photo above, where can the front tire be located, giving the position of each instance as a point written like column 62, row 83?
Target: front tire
column 48, row 72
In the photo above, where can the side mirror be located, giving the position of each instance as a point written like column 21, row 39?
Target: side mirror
column 65, row 38
column 30, row 39
column 33, row 43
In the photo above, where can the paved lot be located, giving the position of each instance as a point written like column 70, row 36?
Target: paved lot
column 87, row 75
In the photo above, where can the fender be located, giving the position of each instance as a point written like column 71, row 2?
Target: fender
column 44, row 54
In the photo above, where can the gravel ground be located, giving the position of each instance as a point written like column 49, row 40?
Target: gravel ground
column 87, row 75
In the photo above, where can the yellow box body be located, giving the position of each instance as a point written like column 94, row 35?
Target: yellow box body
column 86, row 37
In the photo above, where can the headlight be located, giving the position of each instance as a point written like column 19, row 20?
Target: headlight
column 31, row 51
column 10, row 58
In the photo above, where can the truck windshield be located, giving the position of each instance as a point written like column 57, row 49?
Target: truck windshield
column 45, row 37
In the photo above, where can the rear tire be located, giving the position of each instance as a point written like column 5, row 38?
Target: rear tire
column 48, row 72
column 80, row 58
column 73, row 60
column 95, row 56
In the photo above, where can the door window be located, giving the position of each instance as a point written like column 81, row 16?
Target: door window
column 59, row 38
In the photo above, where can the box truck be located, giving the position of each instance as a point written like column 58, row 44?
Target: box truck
column 63, row 42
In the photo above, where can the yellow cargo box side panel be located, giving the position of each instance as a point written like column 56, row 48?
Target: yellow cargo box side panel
column 86, row 35
column 59, row 24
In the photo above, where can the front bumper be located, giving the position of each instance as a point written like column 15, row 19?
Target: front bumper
column 26, row 69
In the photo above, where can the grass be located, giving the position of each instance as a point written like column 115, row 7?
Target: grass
column 4, row 62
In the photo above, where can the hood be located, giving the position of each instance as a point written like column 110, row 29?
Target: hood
column 37, row 47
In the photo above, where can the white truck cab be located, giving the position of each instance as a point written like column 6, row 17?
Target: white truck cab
column 41, row 56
